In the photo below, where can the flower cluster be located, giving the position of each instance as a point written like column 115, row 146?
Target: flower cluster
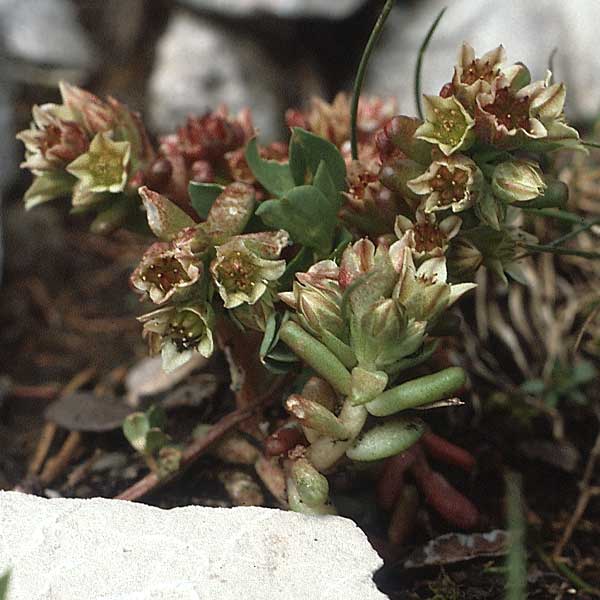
column 477, row 155
column 346, row 264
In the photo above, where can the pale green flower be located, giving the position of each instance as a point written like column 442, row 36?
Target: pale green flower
column 449, row 183
column 246, row 264
column 423, row 292
column 447, row 124
column 164, row 271
column 103, row 168
column 177, row 332
column 425, row 236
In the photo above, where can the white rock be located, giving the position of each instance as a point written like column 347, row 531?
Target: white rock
column 339, row 9
column 200, row 65
column 528, row 30
column 113, row 550
column 45, row 32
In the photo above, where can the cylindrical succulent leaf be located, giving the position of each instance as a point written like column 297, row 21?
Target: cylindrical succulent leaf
column 388, row 439
column 418, row 392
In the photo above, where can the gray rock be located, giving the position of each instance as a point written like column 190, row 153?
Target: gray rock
column 528, row 30
column 113, row 550
column 200, row 65
column 44, row 32
column 339, row 9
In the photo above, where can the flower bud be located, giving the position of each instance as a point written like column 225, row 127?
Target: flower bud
column 464, row 258
column 424, row 292
column 312, row 487
column 87, row 109
column 54, row 139
column 518, row 181
column 315, row 416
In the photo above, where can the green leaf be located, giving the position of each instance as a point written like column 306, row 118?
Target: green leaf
column 203, row 195
column 155, row 440
column 306, row 214
column 135, row 428
column 301, row 262
column 385, row 440
column 275, row 177
column 325, row 184
column 342, row 238
column 298, row 164
column 157, row 417
column 314, row 150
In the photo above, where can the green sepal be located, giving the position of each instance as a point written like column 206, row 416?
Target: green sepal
column 276, row 356
column 555, row 196
column 489, row 209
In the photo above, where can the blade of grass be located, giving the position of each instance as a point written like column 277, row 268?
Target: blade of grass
column 516, row 562
column 362, row 69
column 420, row 56
column 4, row 581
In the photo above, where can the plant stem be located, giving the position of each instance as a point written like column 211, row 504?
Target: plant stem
column 561, row 250
column 562, row 215
column 419, row 66
column 360, row 73
column 196, row 448
column 316, row 355
column 574, row 232
column 590, row 144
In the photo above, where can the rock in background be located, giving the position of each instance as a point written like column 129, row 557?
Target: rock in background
column 338, row 9
column 201, row 64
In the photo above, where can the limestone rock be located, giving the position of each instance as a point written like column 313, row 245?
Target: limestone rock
column 45, row 32
column 200, row 65
column 113, row 550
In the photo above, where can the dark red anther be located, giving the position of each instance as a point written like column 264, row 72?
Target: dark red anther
column 447, row 90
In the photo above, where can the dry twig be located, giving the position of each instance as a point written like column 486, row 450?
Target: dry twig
column 196, row 448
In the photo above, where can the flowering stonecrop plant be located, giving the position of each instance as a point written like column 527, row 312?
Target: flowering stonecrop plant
column 346, row 262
